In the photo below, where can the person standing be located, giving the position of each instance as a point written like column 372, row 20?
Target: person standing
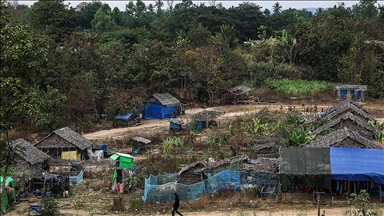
column 176, row 205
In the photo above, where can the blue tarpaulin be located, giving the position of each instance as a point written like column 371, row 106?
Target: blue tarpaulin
column 157, row 111
column 356, row 164
column 123, row 116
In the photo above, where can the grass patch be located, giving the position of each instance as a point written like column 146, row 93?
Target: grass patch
column 300, row 87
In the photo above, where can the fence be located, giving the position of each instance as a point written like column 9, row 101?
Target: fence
column 161, row 188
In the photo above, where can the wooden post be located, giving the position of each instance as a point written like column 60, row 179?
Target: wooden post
column 354, row 187
column 381, row 194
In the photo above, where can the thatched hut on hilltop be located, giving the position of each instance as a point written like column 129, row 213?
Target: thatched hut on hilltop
column 343, row 138
column 65, row 143
column 352, row 122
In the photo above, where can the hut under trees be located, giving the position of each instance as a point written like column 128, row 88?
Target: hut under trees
column 66, row 144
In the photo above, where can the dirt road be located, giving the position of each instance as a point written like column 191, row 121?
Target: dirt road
column 155, row 124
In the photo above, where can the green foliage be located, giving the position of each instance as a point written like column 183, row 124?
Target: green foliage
column 300, row 87
column 362, row 205
column 257, row 128
column 300, row 137
column 169, row 143
column 133, row 180
column 50, row 206
column 218, row 140
column 378, row 137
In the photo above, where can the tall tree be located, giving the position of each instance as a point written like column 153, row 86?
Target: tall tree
column 53, row 18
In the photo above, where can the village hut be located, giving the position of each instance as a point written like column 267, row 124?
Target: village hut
column 351, row 92
column 343, row 138
column 351, row 108
column 352, row 122
column 30, row 155
column 160, row 106
column 66, row 144
column 237, row 94
column 261, row 164
column 343, row 103
column 192, row 173
column 139, row 145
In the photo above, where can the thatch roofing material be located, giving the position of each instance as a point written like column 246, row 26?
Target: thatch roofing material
column 141, row 139
column 238, row 90
column 166, row 99
column 70, row 136
column 199, row 164
column 354, row 87
column 332, row 139
column 246, row 164
column 349, row 107
column 261, row 164
column 28, row 152
column 341, row 104
column 350, row 116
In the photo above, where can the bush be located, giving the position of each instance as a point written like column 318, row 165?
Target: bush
column 49, row 207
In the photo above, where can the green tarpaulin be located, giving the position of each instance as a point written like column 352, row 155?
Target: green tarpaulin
column 10, row 183
column 125, row 160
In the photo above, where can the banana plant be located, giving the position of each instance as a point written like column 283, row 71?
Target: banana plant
column 301, row 137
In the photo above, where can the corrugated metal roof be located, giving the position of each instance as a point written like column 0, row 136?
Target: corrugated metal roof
column 123, row 116
column 355, row 87
column 238, row 90
column 166, row 99
column 141, row 139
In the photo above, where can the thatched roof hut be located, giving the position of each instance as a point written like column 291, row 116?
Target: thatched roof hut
column 352, row 122
column 66, row 144
column 192, row 173
column 262, row 164
column 343, row 103
column 352, row 108
column 29, row 153
column 343, row 138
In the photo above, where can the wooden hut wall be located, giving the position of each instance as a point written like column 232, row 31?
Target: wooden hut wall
column 57, row 152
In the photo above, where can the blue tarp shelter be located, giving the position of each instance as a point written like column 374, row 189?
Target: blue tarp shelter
column 315, row 167
column 123, row 116
column 160, row 106
column 356, row 164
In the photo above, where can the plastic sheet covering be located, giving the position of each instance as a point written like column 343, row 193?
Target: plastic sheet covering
column 157, row 111
column 161, row 188
column 123, row 116
column 356, row 164
column 305, row 166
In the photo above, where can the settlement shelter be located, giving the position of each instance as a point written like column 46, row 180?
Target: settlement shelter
column 65, row 143
column 31, row 157
column 139, row 145
column 351, row 92
column 160, row 106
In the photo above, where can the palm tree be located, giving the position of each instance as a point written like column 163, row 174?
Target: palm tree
column 276, row 8
column 227, row 36
column 158, row 5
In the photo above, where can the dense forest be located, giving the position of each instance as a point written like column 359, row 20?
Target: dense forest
column 60, row 65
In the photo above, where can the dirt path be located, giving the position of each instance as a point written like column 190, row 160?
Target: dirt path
column 230, row 111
